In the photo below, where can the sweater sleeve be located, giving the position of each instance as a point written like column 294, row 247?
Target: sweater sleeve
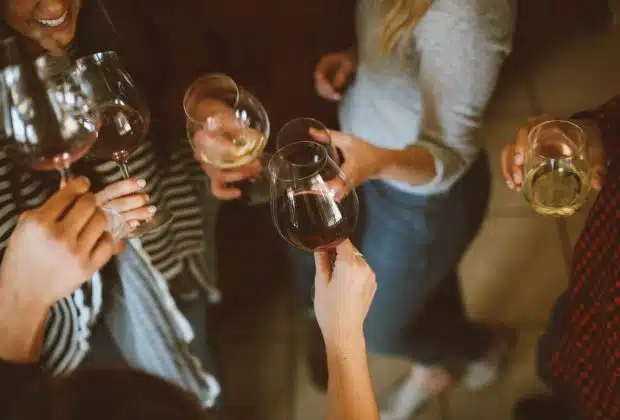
column 461, row 54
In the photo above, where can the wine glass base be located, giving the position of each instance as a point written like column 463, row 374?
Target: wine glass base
column 161, row 219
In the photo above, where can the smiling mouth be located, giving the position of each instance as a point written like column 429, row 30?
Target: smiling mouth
column 54, row 23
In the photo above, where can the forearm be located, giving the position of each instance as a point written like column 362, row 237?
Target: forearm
column 413, row 165
column 22, row 325
column 350, row 395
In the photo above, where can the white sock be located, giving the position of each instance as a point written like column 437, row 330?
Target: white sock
column 482, row 373
column 408, row 397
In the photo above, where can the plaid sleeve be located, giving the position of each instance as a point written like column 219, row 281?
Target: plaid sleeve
column 608, row 118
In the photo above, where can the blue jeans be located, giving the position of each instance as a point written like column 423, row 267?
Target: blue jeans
column 415, row 243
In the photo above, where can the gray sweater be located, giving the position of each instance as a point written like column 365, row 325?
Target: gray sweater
column 437, row 97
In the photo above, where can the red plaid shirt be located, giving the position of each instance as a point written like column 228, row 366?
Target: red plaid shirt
column 580, row 353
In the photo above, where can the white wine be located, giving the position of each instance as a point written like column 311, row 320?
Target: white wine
column 556, row 187
column 245, row 149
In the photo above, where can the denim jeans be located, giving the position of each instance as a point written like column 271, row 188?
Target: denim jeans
column 414, row 244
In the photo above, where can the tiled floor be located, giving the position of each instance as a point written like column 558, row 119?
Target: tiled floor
column 518, row 265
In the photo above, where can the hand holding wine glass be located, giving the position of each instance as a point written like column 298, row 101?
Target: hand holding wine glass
column 228, row 129
column 306, row 207
column 123, row 114
column 554, row 164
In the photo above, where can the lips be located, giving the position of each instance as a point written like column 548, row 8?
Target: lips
column 54, row 23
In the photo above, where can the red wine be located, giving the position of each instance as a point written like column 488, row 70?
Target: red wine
column 313, row 221
column 122, row 129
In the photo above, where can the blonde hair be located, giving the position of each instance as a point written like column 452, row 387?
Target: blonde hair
column 399, row 17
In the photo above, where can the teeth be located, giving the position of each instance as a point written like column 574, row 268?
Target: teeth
column 54, row 22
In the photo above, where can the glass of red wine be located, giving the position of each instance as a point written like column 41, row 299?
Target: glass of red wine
column 300, row 129
column 228, row 128
column 124, row 117
column 46, row 120
column 308, row 206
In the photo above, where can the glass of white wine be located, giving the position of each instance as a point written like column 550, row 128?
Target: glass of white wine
column 557, row 173
column 228, row 128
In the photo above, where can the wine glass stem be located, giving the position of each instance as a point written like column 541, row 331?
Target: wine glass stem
column 65, row 175
column 124, row 169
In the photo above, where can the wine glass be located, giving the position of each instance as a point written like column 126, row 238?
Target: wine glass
column 299, row 129
column 47, row 125
column 123, row 114
column 557, row 179
column 46, row 121
column 307, row 205
column 228, row 115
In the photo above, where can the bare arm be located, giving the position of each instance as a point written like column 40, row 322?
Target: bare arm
column 350, row 395
column 342, row 297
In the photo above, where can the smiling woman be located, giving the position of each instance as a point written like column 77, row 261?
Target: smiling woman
column 92, row 325
column 52, row 23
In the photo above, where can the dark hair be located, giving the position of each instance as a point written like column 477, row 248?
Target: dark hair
column 110, row 394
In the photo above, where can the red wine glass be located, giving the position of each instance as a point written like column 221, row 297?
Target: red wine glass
column 124, row 117
column 46, row 120
column 313, row 205
column 300, row 129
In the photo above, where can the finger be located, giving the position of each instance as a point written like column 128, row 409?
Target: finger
column 223, row 191
column 119, row 189
column 598, row 174
column 346, row 251
column 138, row 215
column 342, row 74
column 213, row 147
column 323, row 266
column 232, row 175
column 64, row 198
column 319, row 135
column 93, row 230
column 128, row 203
column 507, row 158
column 78, row 216
column 102, row 251
column 119, row 246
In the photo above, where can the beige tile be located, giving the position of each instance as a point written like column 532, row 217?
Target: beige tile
column 578, row 74
column 517, row 379
column 514, row 270
column 512, row 96
column 312, row 405
column 494, row 134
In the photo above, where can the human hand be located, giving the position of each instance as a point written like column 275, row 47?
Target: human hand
column 215, row 145
column 128, row 199
column 56, row 248
column 343, row 293
column 361, row 159
column 332, row 73
column 514, row 154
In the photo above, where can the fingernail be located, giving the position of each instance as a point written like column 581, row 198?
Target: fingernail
column 141, row 183
column 152, row 209
column 134, row 224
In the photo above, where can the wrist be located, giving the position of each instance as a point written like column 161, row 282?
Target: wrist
column 345, row 344
column 22, row 322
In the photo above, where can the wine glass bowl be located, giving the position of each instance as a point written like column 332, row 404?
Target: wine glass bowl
column 123, row 113
column 220, row 114
column 299, row 129
column 557, row 179
column 45, row 118
column 307, row 205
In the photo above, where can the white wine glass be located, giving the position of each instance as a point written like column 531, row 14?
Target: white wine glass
column 228, row 128
column 557, row 172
